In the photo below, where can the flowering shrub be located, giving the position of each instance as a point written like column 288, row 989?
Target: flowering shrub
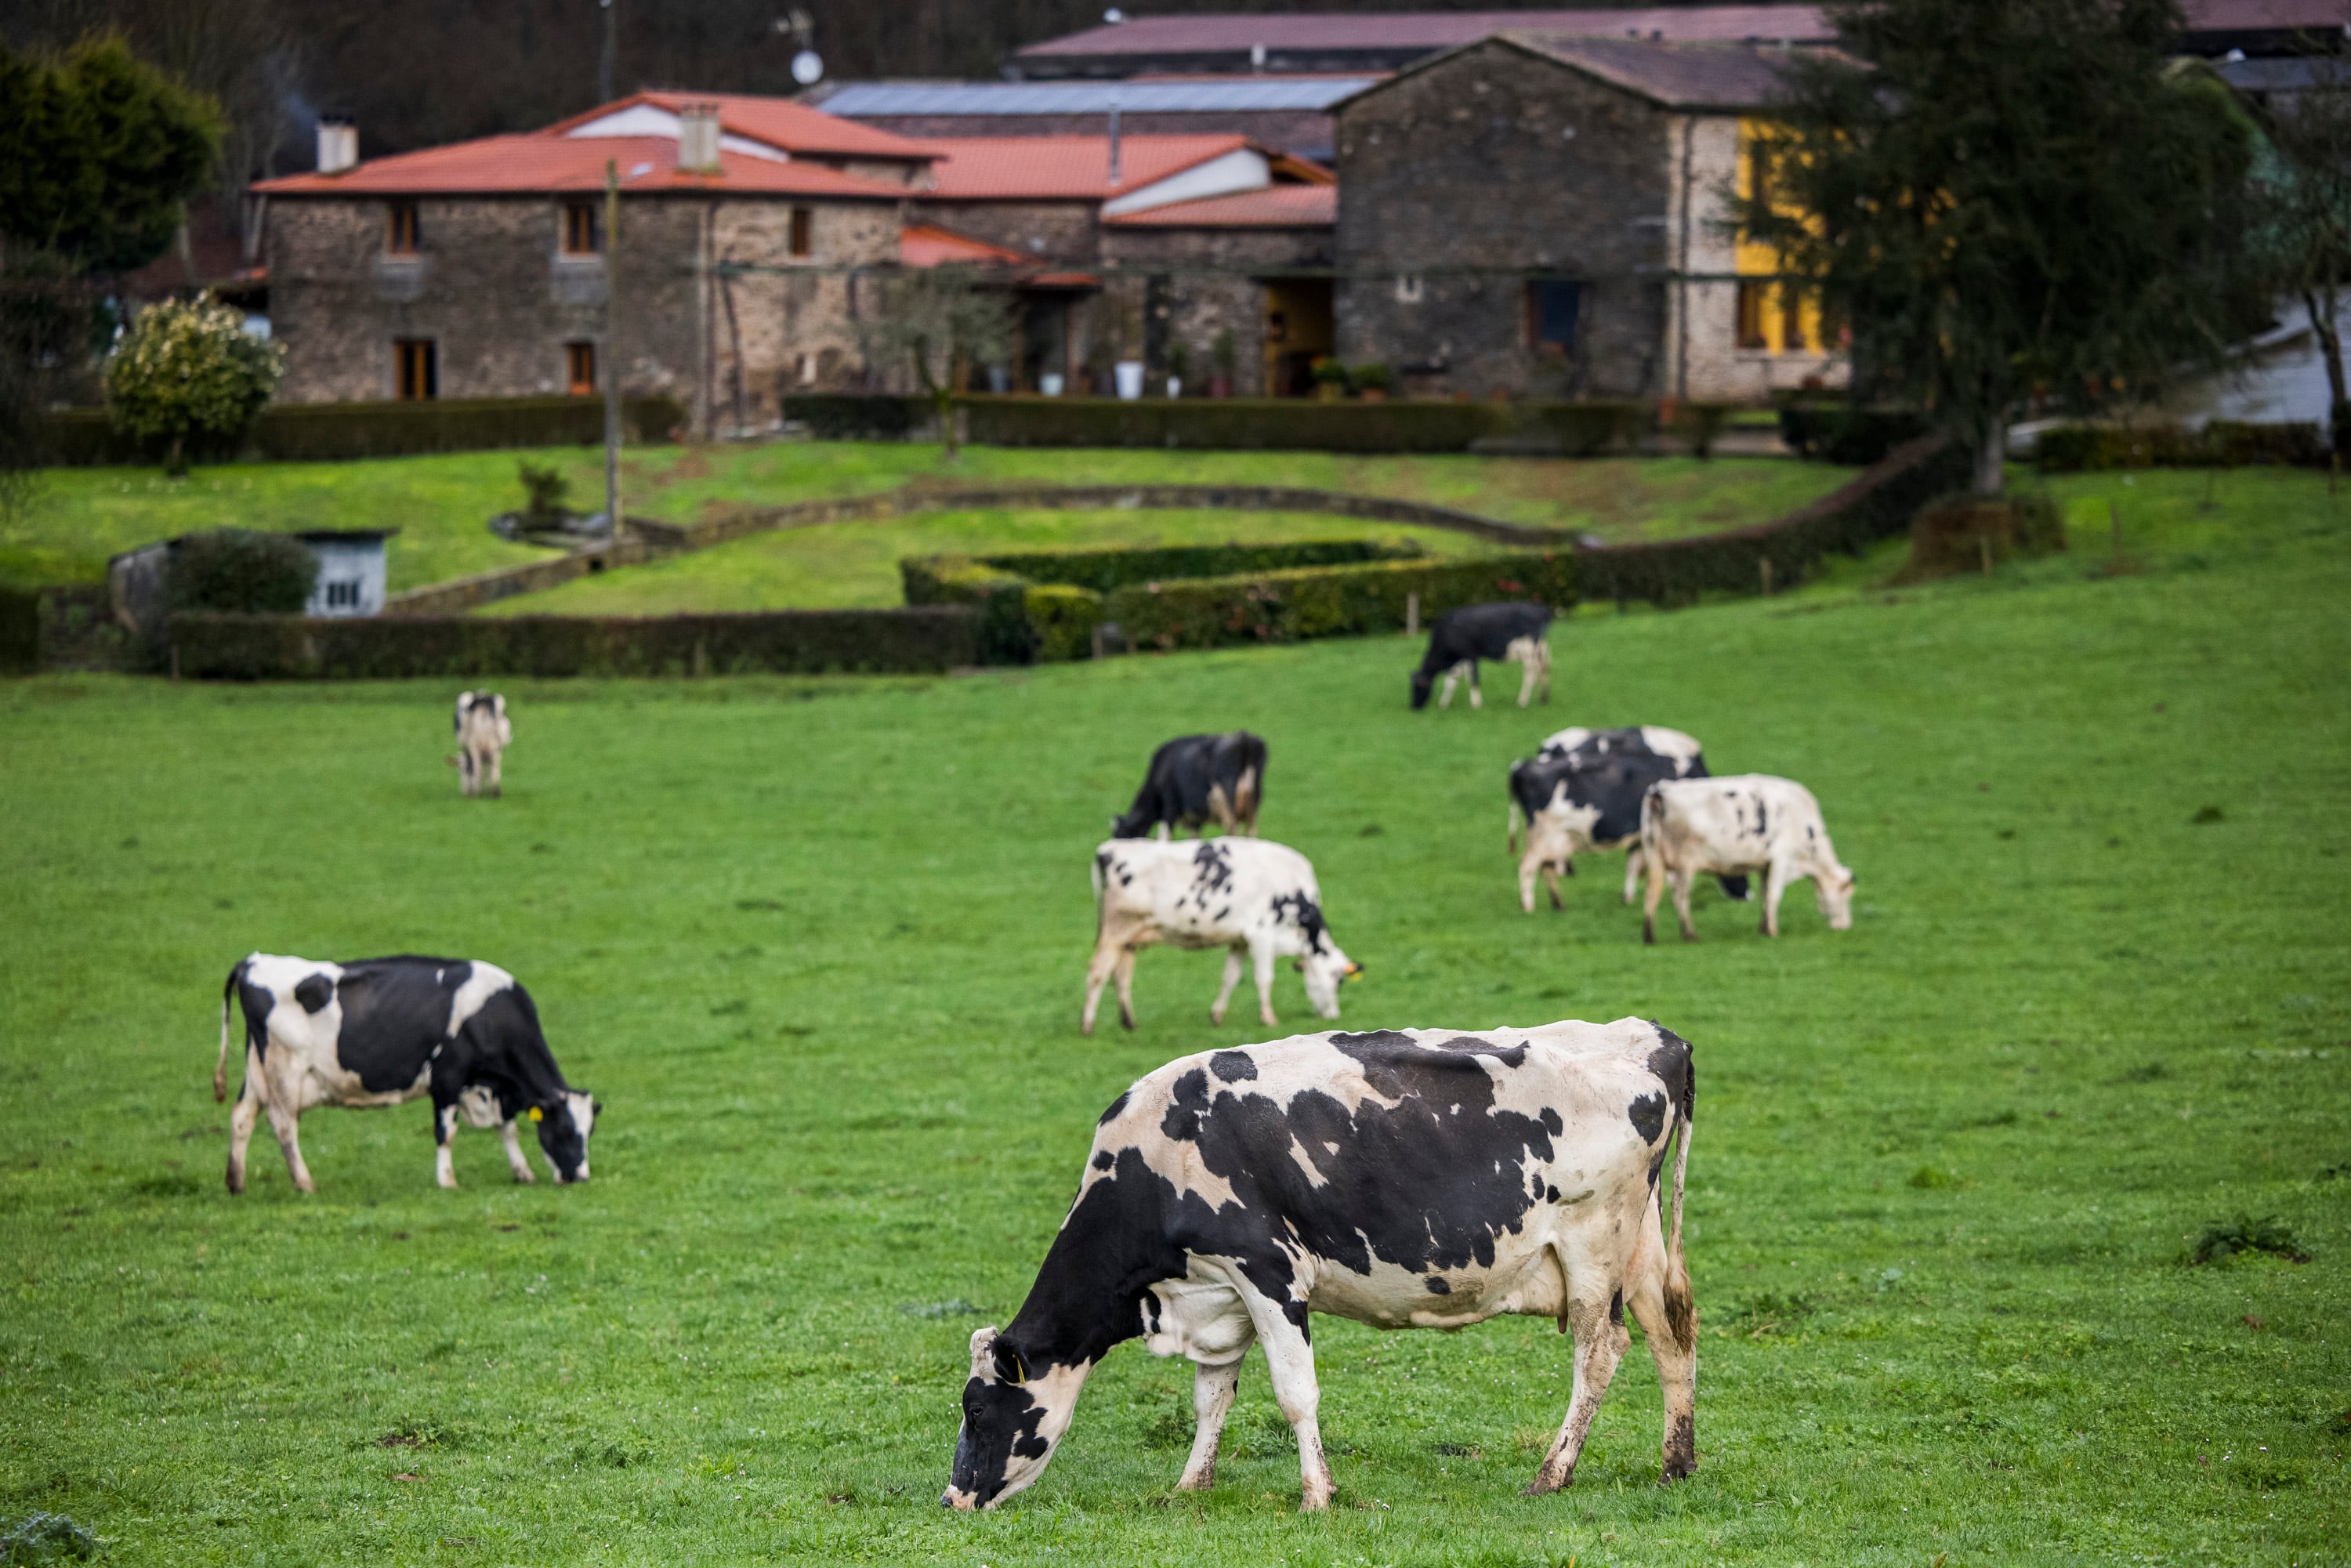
column 190, row 368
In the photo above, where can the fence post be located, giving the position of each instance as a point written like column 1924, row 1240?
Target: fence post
column 1097, row 640
column 1412, row 614
column 2114, row 526
column 1764, row 564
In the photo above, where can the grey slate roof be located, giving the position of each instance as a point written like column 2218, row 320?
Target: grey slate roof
column 1207, row 95
column 1726, row 77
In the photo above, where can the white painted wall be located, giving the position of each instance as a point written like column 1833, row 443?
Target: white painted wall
column 651, row 119
column 1239, row 170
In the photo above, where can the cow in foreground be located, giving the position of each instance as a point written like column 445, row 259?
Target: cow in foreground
column 1509, row 630
column 1195, row 779
column 483, row 736
column 1415, row 1178
column 1245, row 895
column 382, row 1031
column 1748, row 822
column 1581, row 792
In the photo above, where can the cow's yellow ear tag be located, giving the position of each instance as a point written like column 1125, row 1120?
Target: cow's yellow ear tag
column 537, row 1115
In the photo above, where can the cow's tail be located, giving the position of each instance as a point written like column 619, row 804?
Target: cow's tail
column 1681, row 1303
column 228, row 999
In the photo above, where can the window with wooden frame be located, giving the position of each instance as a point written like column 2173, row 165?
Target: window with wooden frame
column 579, row 369
column 583, row 228
column 416, row 363
column 1793, row 338
column 802, row 240
column 1752, row 293
column 400, row 234
column 1553, row 309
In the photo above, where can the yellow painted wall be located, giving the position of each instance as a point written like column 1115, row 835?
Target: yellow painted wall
column 1761, row 262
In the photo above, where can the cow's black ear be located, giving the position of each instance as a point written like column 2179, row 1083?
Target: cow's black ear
column 597, row 1106
column 1007, row 1364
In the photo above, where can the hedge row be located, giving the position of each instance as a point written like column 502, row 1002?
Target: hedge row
column 1330, row 601
column 2222, row 443
column 942, row 580
column 1569, row 429
column 1841, row 433
column 1875, row 505
column 794, row 642
column 323, row 431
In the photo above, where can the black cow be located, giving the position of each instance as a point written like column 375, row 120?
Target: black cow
column 1421, row 1178
column 381, row 1031
column 1475, row 632
column 1583, row 792
column 1195, row 780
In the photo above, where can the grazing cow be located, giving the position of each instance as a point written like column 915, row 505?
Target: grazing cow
column 1195, row 779
column 483, row 736
column 1245, row 895
column 1418, row 1179
column 1475, row 632
column 1583, row 792
column 381, row 1031
column 1747, row 822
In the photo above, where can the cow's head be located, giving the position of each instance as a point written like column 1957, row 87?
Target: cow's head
column 1133, row 825
column 1423, row 679
column 1013, row 1416
column 564, row 1123
column 1833, row 891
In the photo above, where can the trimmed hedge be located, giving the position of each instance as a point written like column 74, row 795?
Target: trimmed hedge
column 1332, row 600
column 795, row 642
column 1841, row 433
column 20, row 630
column 327, row 432
column 858, row 416
column 2222, row 443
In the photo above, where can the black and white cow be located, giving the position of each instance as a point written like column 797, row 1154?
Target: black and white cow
column 483, row 736
column 1507, row 631
column 1581, row 792
column 1245, row 895
column 1750, row 822
column 1415, row 1178
column 1195, row 780
column 381, row 1031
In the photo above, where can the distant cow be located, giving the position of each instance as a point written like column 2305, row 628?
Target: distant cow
column 382, row 1031
column 1475, row 632
column 483, row 736
column 1419, row 1178
column 1195, row 780
column 1583, row 792
column 1747, row 822
column 1245, row 895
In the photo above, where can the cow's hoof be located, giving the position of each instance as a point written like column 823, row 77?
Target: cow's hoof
column 525, row 1178
column 1648, row 932
column 235, row 1182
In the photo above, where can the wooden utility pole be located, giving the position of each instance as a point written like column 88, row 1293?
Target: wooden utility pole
column 612, row 347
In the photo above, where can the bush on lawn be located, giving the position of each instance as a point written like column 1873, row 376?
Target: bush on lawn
column 1966, row 533
column 857, row 416
column 793, row 641
column 2222, row 443
column 189, row 372
column 242, row 573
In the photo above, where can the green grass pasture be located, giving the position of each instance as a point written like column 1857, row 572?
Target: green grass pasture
column 442, row 505
column 819, row 946
column 854, row 564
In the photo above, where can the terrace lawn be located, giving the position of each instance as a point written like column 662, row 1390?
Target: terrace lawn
column 817, row 946
column 442, row 505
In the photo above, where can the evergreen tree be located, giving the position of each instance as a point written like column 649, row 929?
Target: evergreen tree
column 2013, row 198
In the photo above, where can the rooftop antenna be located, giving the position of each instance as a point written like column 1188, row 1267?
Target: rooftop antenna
column 808, row 65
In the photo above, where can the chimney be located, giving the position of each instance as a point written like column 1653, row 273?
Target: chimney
column 339, row 143
column 1113, row 141
column 698, row 139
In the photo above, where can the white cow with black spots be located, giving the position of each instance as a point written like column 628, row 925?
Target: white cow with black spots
column 1249, row 896
column 484, row 733
column 1746, row 822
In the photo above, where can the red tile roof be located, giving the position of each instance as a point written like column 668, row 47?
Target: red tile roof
column 777, row 121
column 1063, row 168
column 1274, row 207
column 521, row 165
column 920, row 244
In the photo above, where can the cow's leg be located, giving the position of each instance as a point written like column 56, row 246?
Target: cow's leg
column 1683, row 880
column 1529, row 673
column 1098, row 973
column 1543, row 656
column 1600, row 1343
column 1212, row 1396
column 497, row 758
column 1125, row 972
column 1655, row 867
column 1632, row 871
column 1245, row 808
column 1220, row 807
column 514, row 1153
column 1290, row 1357
column 1262, row 952
column 241, row 1119
column 1161, row 832
column 445, row 1128
column 467, row 783
column 1532, row 866
column 285, row 1108
column 1476, row 692
column 1776, row 879
column 1663, row 1306
column 1452, row 677
column 1233, row 964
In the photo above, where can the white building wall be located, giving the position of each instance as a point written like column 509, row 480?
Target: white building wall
column 351, row 577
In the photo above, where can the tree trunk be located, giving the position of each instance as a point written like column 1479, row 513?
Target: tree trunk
column 943, row 401
column 1991, row 453
column 2323, row 327
column 176, row 462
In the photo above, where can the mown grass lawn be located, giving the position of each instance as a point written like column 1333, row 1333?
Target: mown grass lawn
column 79, row 517
column 818, row 945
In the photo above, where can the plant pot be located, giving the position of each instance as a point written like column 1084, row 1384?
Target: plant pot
column 1220, row 385
column 1175, row 386
column 1129, row 376
column 1330, row 391
column 1050, row 384
column 1374, row 395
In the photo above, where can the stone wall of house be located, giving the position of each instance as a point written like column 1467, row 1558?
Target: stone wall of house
column 1462, row 182
column 493, row 290
column 1201, row 283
